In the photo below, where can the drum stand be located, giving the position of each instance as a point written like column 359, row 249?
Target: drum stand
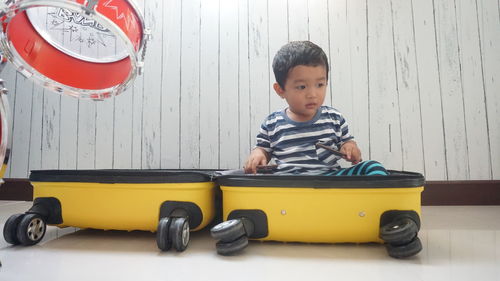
column 3, row 97
column 4, row 124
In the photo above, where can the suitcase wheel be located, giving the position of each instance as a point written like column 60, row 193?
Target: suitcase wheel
column 228, row 231
column 404, row 251
column 10, row 229
column 229, row 248
column 31, row 229
column 173, row 231
column 162, row 240
column 400, row 231
column 179, row 233
column 232, row 235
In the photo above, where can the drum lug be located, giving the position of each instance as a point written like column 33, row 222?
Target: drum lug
column 3, row 91
column 26, row 73
column 147, row 34
column 89, row 7
column 5, row 7
column 140, row 67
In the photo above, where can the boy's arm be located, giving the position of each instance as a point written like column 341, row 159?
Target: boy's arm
column 258, row 156
column 352, row 152
column 347, row 144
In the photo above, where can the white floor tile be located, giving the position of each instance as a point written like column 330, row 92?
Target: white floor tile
column 460, row 243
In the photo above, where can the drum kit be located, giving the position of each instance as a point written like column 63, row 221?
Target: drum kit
column 89, row 49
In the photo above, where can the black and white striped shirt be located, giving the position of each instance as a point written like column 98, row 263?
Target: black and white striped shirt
column 293, row 144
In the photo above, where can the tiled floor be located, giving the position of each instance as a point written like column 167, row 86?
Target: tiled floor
column 460, row 243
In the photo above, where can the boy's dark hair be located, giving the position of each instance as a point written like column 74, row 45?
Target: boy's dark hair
column 297, row 53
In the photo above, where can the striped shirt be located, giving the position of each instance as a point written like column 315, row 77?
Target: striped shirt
column 293, row 144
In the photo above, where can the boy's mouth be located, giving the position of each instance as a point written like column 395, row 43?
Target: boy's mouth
column 310, row 105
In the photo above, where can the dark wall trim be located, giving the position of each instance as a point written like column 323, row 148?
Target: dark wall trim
column 436, row 193
column 16, row 189
column 473, row 192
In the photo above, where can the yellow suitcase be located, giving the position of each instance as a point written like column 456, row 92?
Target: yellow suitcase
column 321, row 209
column 170, row 202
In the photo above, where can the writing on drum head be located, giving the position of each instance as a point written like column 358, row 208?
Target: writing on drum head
column 77, row 35
column 72, row 16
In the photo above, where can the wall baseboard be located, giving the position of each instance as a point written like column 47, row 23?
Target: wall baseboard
column 436, row 193
column 470, row 192
column 16, row 189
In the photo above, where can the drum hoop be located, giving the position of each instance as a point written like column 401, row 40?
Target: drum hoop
column 31, row 73
column 138, row 13
column 11, row 53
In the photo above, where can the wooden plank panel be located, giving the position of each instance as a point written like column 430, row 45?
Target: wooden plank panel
column 385, row 135
column 319, row 33
column 246, row 139
column 21, row 116
column 430, row 95
column 170, row 113
column 298, row 29
column 209, row 84
column 278, row 36
column 340, row 59
column 190, row 85
column 122, row 130
column 104, row 134
column 125, row 121
column 349, row 74
column 51, row 130
column 151, row 110
column 137, row 113
column 228, row 85
column 407, row 86
column 357, row 32
column 318, row 24
column 489, row 28
column 451, row 91
column 259, row 65
column 473, row 90
column 36, row 122
column 68, row 145
column 86, row 134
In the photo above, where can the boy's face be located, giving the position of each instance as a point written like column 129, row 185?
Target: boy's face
column 304, row 91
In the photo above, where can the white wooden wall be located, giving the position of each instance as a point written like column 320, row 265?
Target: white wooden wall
column 419, row 81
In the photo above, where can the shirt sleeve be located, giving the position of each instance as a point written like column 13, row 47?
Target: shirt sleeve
column 263, row 140
column 344, row 129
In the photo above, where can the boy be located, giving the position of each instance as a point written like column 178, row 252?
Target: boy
column 295, row 137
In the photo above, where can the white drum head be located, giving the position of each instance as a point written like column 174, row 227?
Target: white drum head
column 76, row 35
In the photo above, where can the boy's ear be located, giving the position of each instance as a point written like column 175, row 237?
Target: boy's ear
column 278, row 89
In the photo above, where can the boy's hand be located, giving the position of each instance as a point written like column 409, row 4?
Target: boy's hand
column 352, row 152
column 258, row 157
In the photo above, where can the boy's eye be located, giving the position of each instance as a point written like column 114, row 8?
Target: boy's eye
column 300, row 87
column 321, row 85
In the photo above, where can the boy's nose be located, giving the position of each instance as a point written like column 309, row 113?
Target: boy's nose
column 311, row 93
